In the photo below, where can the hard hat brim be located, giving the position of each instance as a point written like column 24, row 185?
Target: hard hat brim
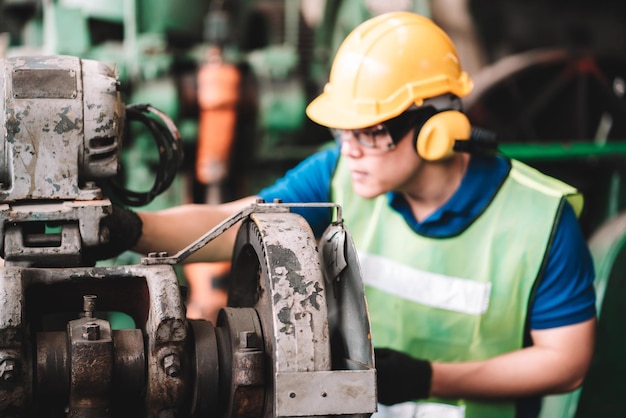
column 324, row 111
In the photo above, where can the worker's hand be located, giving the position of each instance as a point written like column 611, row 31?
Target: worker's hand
column 124, row 229
column 400, row 377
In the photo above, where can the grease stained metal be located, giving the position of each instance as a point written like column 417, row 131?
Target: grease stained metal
column 51, row 182
column 12, row 125
column 291, row 286
column 65, row 124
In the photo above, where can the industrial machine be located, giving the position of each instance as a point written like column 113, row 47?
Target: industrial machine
column 294, row 339
column 549, row 81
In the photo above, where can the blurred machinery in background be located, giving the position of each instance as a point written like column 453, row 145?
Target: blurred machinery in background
column 549, row 81
column 294, row 339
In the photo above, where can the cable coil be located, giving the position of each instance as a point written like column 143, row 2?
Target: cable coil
column 168, row 141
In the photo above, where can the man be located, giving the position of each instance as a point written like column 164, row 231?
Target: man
column 478, row 279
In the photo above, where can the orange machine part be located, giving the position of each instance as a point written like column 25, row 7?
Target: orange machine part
column 218, row 94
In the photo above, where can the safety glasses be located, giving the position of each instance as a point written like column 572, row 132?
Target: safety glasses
column 375, row 138
column 384, row 136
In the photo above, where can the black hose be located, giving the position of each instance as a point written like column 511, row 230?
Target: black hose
column 169, row 146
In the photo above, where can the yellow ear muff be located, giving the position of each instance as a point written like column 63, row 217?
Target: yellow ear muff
column 435, row 140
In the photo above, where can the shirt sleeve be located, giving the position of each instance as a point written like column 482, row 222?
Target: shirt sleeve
column 566, row 294
column 308, row 182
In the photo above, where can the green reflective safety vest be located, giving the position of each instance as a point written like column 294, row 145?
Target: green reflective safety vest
column 460, row 298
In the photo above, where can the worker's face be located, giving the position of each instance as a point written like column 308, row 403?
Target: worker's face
column 382, row 168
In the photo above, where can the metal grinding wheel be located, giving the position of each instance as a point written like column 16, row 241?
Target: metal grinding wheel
column 295, row 337
column 276, row 270
column 312, row 308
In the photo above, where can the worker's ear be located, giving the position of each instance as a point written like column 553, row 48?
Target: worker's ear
column 436, row 138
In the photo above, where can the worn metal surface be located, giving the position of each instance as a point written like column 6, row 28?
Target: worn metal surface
column 82, row 362
column 270, row 354
column 91, row 367
column 63, row 121
column 166, row 332
column 52, row 364
column 63, row 127
column 326, row 393
column 242, row 356
column 15, row 391
column 297, row 308
column 277, row 268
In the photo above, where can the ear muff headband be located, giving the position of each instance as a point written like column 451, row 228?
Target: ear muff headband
column 399, row 126
column 436, row 138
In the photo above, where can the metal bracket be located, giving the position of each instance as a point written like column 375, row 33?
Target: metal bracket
column 258, row 207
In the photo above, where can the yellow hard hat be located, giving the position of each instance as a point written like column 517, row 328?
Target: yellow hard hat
column 385, row 65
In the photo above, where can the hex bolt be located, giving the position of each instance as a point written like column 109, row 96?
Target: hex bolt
column 8, row 370
column 91, row 331
column 248, row 339
column 171, row 365
column 89, row 305
column 278, row 200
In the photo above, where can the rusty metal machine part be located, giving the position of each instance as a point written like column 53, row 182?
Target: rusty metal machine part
column 280, row 272
column 63, row 120
column 270, row 354
column 273, row 352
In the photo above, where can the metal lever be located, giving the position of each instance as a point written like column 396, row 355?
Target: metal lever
column 260, row 206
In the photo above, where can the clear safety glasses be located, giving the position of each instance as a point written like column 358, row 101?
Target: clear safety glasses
column 384, row 136
column 376, row 138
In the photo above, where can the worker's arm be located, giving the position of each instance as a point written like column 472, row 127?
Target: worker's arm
column 175, row 228
column 556, row 362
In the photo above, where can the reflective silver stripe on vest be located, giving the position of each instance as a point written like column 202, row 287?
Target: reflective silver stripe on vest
column 431, row 289
column 420, row 410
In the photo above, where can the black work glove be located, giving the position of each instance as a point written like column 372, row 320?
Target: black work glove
column 124, row 229
column 400, row 377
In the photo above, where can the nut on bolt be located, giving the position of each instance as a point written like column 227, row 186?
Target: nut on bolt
column 91, row 331
column 248, row 340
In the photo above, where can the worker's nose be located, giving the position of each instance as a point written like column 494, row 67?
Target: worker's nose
column 350, row 147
